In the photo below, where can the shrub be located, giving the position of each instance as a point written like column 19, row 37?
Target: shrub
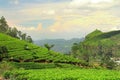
column 14, row 75
column 5, row 66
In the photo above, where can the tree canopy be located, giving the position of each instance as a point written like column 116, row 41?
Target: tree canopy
column 13, row 32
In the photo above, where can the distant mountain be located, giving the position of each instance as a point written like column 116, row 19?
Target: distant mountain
column 61, row 45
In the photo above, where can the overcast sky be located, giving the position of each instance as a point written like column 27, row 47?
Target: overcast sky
column 52, row 19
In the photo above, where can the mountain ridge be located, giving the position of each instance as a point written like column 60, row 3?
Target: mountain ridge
column 61, row 45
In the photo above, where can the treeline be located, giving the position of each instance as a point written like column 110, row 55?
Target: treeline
column 13, row 32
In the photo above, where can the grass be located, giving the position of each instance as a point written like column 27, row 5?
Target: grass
column 70, row 74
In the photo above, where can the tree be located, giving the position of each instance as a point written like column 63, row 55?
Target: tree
column 86, row 53
column 86, row 57
column 3, row 52
column 9, row 31
column 20, row 35
column 48, row 46
column 23, row 36
column 75, row 49
column 14, row 32
column 3, row 25
column 29, row 39
column 106, row 60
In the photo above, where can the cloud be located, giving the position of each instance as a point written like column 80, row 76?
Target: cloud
column 92, row 4
column 39, row 27
column 97, row 18
column 51, row 10
column 101, row 1
column 16, row 2
column 74, row 18
column 76, row 26
column 27, row 29
column 43, row 9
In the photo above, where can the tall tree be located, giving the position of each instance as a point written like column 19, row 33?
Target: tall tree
column 14, row 32
column 20, row 35
column 29, row 39
column 75, row 49
column 23, row 36
column 3, row 25
column 9, row 31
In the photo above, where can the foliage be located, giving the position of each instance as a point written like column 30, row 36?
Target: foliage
column 75, row 50
column 13, row 32
column 29, row 39
column 5, row 66
column 70, row 74
column 107, row 62
column 33, row 65
column 99, row 47
column 48, row 46
column 3, row 52
column 3, row 25
column 15, row 75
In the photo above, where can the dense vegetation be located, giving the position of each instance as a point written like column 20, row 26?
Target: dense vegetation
column 64, row 74
column 4, row 28
column 99, row 48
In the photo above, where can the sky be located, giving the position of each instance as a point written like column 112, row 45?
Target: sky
column 56, row 19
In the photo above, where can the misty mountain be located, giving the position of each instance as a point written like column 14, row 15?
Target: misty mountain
column 61, row 45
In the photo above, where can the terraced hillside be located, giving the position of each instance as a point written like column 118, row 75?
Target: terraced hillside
column 21, row 51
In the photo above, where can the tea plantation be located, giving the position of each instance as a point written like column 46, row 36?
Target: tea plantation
column 65, row 74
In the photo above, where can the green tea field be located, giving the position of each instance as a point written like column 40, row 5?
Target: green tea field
column 67, row 74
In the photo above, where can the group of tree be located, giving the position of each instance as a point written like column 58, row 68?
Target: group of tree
column 13, row 32
column 97, row 47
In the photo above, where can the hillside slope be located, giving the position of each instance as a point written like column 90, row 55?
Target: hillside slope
column 18, row 53
column 99, row 45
